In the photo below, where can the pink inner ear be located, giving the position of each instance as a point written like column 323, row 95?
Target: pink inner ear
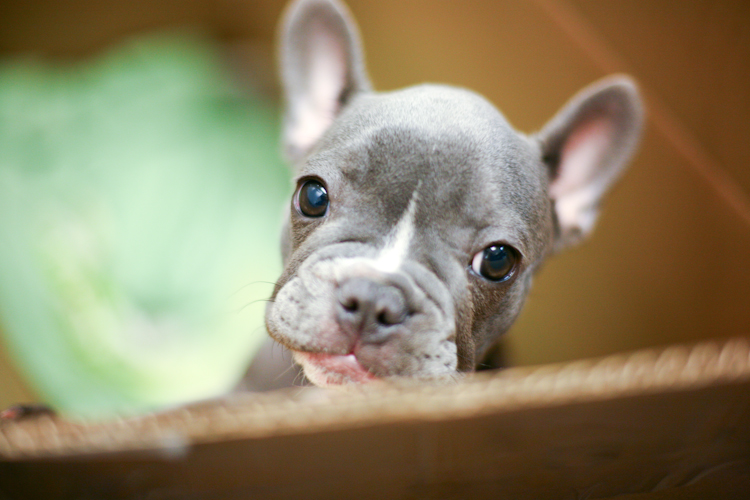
column 581, row 158
column 327, row 65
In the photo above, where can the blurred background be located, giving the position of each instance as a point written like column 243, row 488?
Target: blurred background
column 667, row 263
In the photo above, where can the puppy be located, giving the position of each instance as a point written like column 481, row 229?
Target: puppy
column 420, row 216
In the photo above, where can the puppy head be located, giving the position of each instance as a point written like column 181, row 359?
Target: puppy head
column 420, row 216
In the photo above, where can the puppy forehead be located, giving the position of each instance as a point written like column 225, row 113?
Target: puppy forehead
column 424, row 129
column 457, row 146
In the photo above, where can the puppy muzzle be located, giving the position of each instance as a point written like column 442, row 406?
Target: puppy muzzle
column 349, row 322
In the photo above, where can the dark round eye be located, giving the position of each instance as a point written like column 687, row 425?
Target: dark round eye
column 312, row 199
column 496, row 262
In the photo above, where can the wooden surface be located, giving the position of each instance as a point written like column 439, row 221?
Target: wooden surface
column 671, row 424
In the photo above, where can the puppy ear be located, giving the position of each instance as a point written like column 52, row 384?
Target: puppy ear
column 586, row 146
column 322, row 68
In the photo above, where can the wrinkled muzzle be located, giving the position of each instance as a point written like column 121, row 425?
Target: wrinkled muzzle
column 346, row 319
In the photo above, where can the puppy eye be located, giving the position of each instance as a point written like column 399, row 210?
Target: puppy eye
column 496, row 262
column 312, row 199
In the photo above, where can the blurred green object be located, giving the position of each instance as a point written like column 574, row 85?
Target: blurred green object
column 140, row 201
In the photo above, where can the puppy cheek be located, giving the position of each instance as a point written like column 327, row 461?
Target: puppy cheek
column 444, row 360
column 394, row 360
column 330, row 338
column 381, row 360
column 465, row 341
column 302, row 321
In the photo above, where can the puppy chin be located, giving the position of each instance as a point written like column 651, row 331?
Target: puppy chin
column 333, row 370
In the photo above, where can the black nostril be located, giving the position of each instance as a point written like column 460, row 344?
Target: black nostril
column 382, row 319
column 366, row 306
column 350, row 304
column 391, row 316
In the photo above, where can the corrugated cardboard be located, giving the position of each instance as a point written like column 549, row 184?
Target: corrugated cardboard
column 669, row 424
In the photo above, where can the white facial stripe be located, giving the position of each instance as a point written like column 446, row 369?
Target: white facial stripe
column 397, row 243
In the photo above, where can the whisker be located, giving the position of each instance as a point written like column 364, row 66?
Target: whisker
column 261, row 327
column 301, row 390
column 237, row 311
column 291, row 367
column 250, row 284
column 463, row 357
column 285, row 353
column 301, row 377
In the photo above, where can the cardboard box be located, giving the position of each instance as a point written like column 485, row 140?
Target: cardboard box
column 653, row 424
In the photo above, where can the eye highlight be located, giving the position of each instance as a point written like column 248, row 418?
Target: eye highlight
column 496, row 262
column 311, row 199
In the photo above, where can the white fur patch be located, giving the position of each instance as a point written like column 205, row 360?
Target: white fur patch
column 397, row 243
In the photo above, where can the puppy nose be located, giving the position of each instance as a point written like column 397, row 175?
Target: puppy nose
column 366, row 307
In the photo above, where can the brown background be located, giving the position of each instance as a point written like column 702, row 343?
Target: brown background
column 668, row 261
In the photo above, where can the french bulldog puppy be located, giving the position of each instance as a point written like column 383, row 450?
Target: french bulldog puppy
column 420, row 215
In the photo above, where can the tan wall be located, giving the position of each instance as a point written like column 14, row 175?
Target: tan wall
column 668, row 262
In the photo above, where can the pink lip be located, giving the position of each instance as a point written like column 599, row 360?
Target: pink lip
column 332, row 369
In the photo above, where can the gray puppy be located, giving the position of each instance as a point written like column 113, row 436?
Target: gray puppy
column 420, row 216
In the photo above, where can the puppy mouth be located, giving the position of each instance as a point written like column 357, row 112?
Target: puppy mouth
column 326, row 370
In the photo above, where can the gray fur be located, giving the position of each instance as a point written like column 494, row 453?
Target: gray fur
column 476, row 182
